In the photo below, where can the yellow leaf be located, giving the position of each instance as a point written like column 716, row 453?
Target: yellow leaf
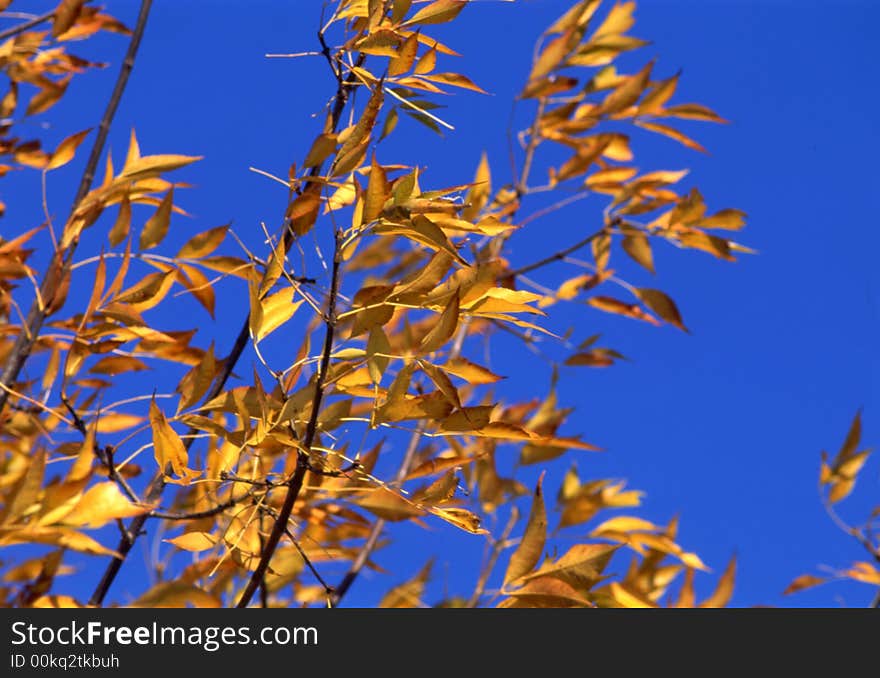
column 277, row 309
column 445, row 328
column 204, row 243
column 659, row 95
column 303, row 211
column 57, row 536
column 378, row 190
column 153, row 165
column 427, row 63
column 437, row 12
column 672, row 133
column 176, row 594
column 468, row 419
column 406, row 56
column 409, row 594
column 627, row 597
column 66, row 150
column 46, row 97
column 354, row 148
column 389, row 505
column 479, row 193
column 57, row 602
column 194, row 541
column 723, row 592
column 624, row 524
column 167, row 446
column 470, row 372
column 461, row 518
column 27, row 490
column 545, row 592
column 530, row 549
column 122, row 225
column 100, row 504
column 378, row 349
column 554, row 53
column 148, row 292
column 157, row 225
column 581, row 566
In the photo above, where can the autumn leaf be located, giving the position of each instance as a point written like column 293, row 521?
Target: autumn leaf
column 167, row 445
column 530, row 549
column 157, row 225
column 101, row 504
column 66, row 149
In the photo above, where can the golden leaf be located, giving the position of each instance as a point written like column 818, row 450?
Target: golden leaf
column 277, row 309
column 545, row 592
column 530, row 549
column 193, row 541
column 100, row 504
column 204, row 243
column 437, row 12
column 122, row 225
column 153, row 165
column 175, row 594
column 66, row 150
column 157, row 225
column 445, row 328
column 167, row 445
column 723, row 592
column 26, row 491
column 628, row 597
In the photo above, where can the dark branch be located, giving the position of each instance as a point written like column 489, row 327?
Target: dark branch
column 302, row 458
column 157, row 485
column 52, row 280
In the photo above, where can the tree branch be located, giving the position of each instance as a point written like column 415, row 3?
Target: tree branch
column 561, row 254
column 302, row 456
column 157, row 484
column 59, row 267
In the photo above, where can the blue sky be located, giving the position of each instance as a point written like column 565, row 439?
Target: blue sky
column 723, row 426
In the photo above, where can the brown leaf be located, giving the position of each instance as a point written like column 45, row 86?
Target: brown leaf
column 662, row 305
column 66, row 15
column 637, row 246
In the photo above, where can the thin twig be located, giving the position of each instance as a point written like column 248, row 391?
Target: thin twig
column 561, row 254
column 207, row 513
column 21, row 28
column 497, row 547
column 376, row 531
